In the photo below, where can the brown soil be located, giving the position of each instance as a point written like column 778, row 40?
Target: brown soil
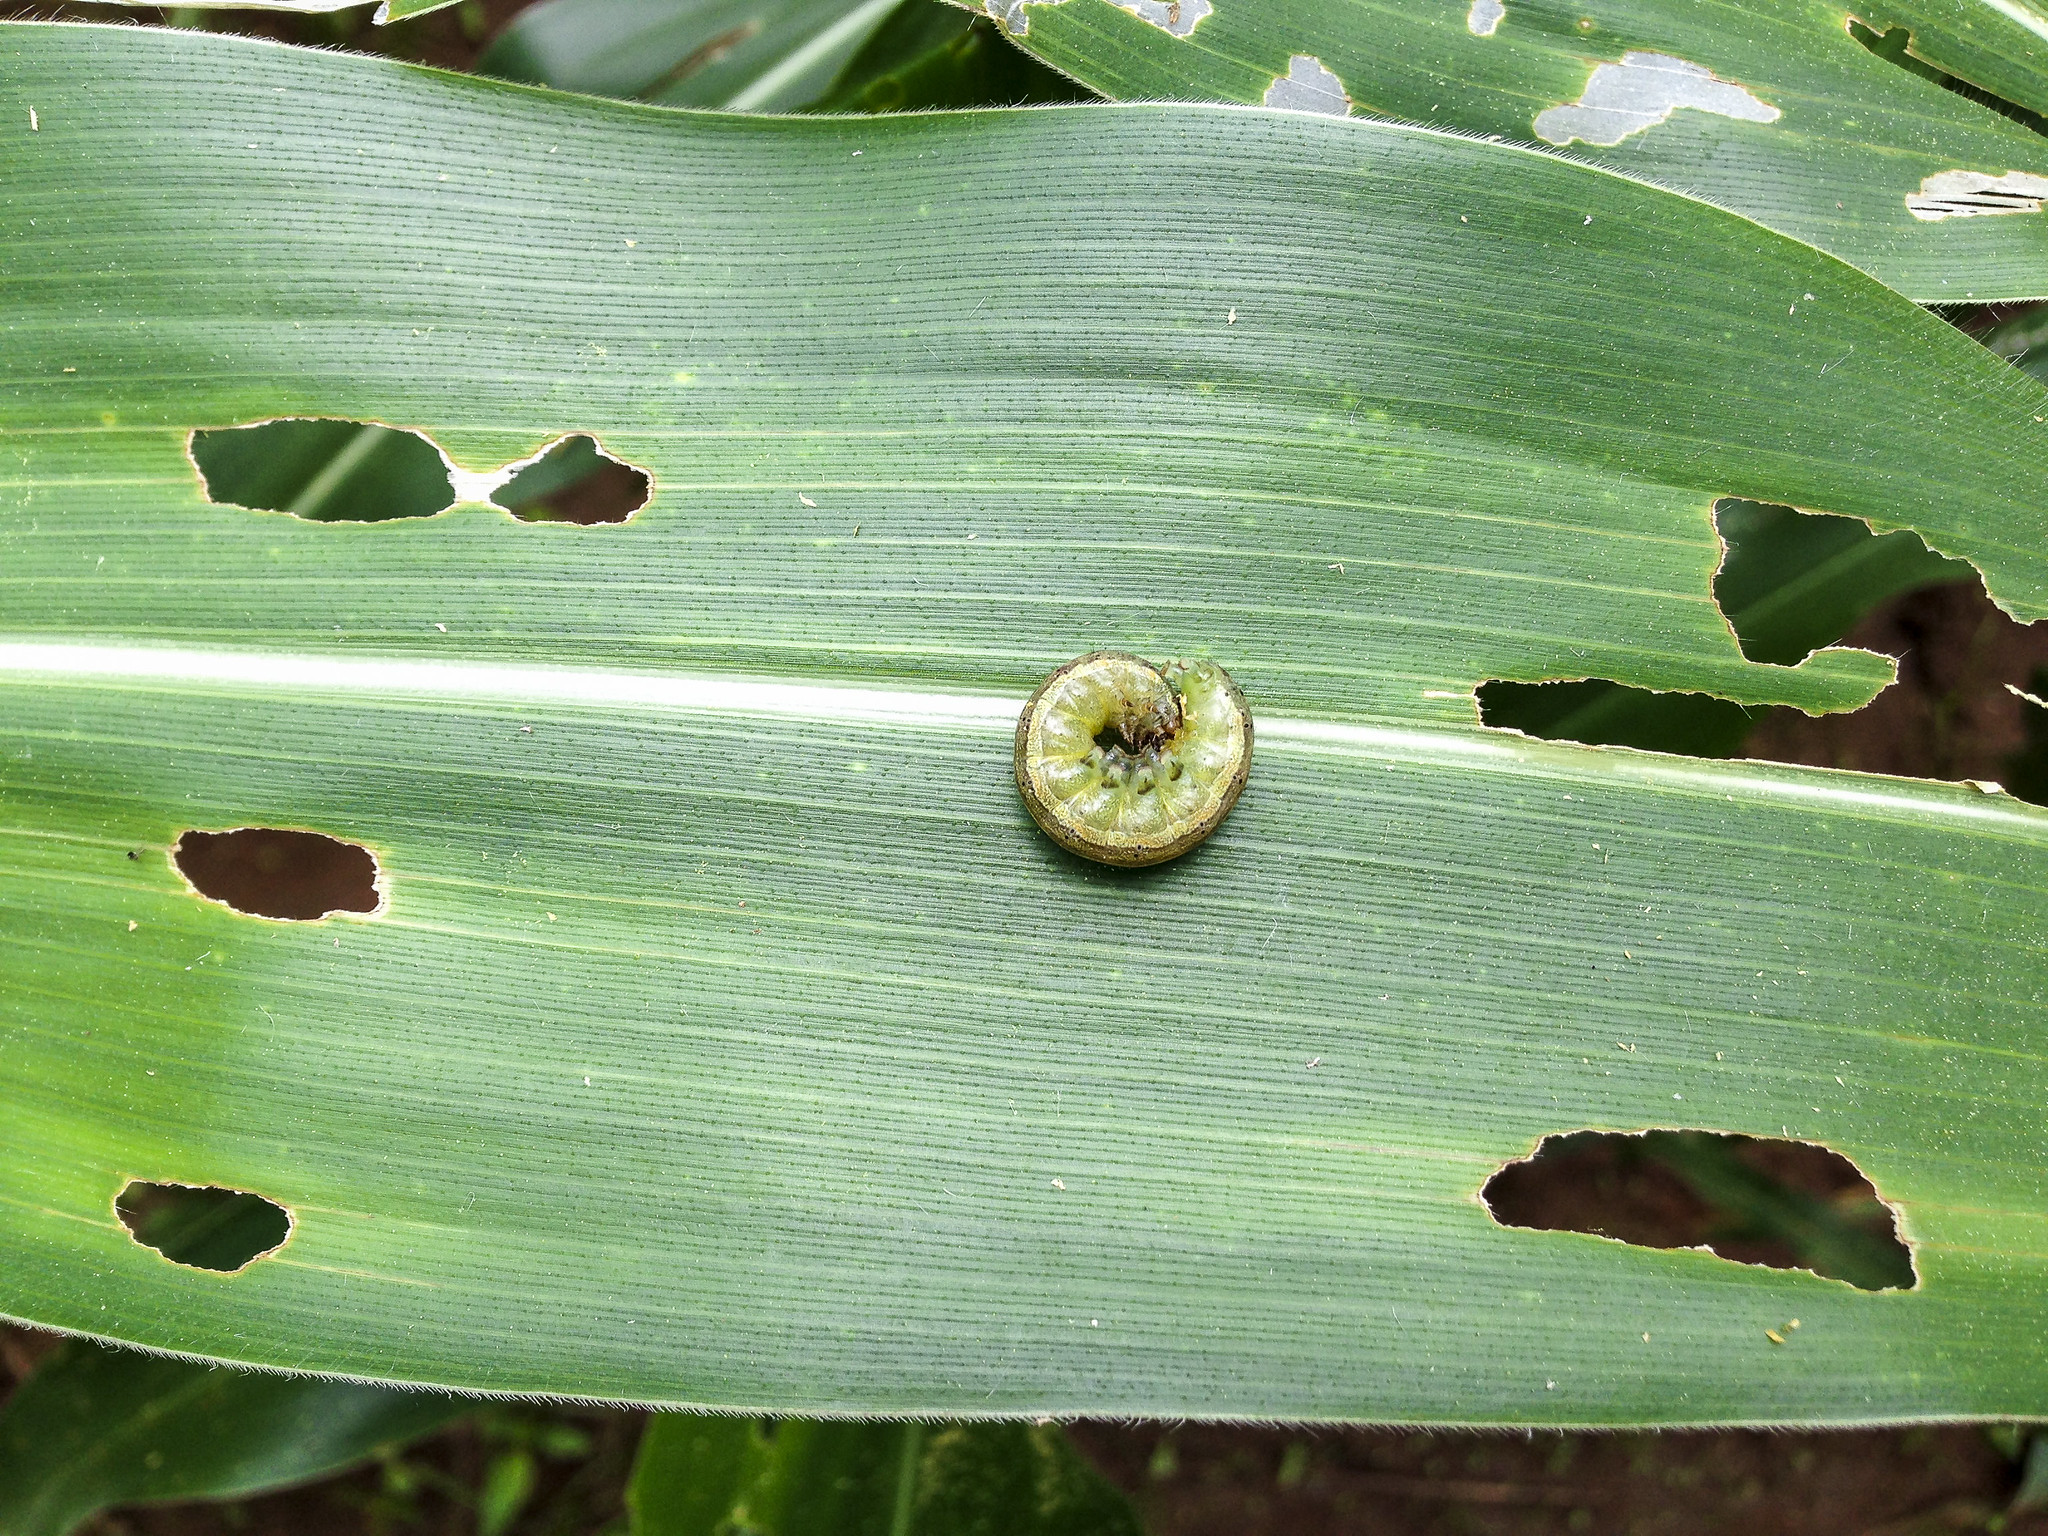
column 1950, row 715
column 1215, row 1481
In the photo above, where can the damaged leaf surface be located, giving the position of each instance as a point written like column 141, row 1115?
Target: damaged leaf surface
column 2000, row 45
column 744, row 1045
column 1770, row 108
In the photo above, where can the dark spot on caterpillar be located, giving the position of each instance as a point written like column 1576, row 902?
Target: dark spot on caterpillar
column 1131, row 764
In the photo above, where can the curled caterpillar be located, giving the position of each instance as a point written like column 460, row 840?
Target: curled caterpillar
column 1131, row 764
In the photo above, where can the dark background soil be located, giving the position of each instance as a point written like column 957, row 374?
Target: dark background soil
column 1951, row 716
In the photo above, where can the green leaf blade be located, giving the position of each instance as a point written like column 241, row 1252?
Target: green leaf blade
column 820, row 1159
column 939, row 1121
column 95, row 1427
column 699, row 1476
column 1851, row 137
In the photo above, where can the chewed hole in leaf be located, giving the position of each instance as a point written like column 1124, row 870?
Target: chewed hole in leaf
column 1895, row 46
column 203, row 1227
column 324, row 470
column 1598, row 713
column 280, row 873
column 1752, row 1199
column 1789, row 583
column 575, row 481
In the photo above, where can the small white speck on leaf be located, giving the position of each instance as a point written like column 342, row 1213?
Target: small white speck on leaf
column 1589, row 218
column 1231, row 318
column 551, row 917
column 442, row 627
column 800, row 496
column 586, row 1082
column 1314, row 1062
column 35, row 124
column 630, row 244
column 133, row 925
column 1059, row 1183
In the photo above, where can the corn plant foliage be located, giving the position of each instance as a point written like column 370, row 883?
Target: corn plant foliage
column 1829, row 146
column 701, row 1476
column 1995, row 44
column 728, row 1036
column 97, row 1427
column 750, row 55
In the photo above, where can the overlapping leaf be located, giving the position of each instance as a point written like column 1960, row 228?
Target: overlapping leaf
column 700, row 1476
column 740, row 1043
column 96, row 1427
column 1787, row 116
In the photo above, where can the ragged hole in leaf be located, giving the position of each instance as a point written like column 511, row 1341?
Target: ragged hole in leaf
column 280, row 873
column 575, row 481
column 324, row 470
column 1790, row 583
column 1952, row 715
column 1755, row 1200
column 203, row 1227
column 2025, row 776
column 1895, row 46
column 1597, row 713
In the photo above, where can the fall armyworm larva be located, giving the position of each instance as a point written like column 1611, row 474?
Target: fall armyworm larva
column 1129, row 763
